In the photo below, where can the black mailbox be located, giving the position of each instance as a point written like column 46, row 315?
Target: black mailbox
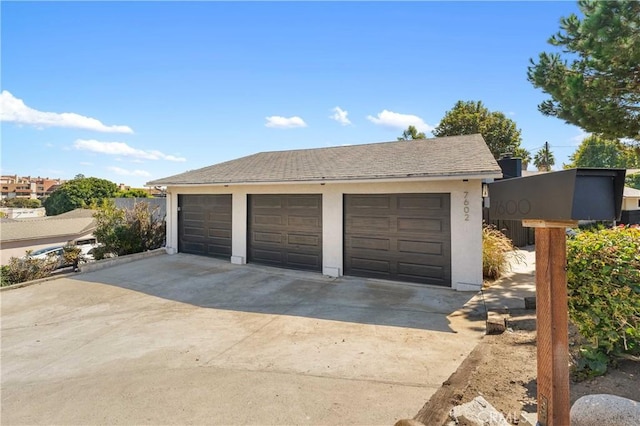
column 568, row 195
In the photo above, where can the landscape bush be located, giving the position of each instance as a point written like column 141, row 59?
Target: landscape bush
column 603, row 275
column 128, row 231
column 497, row 253
column 20, row 270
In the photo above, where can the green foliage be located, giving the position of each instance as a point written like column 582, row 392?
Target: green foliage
column 27, row 269
column 524, row 155
column 80, row 192
column 499, row 132
column 497, row 252
column 72, row 255
column 633, row 181
column 544, row 160
column 597, row 87
column 603, row 275
column 412, row 133
column 596, row 151
column 133, row 193
column 24, row 203
column 127, row 231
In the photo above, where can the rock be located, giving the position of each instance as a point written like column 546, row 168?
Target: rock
column 528, row 419
column 604, row 409
column 478, row 412
column 496, row 323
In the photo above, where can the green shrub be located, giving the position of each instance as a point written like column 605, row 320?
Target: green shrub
column 497, row 253
column 27, row 269
column 603, row 275
column 127, row 231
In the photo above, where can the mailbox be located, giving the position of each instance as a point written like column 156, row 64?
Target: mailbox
column 568, row 195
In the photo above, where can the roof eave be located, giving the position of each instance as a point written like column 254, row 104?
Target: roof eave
column 464, row 175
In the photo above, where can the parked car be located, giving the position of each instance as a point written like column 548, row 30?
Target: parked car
column 50, row 252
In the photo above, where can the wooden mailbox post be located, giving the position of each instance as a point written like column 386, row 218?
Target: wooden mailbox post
column 551, row 202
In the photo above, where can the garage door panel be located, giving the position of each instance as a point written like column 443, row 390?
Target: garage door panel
column 370, row 243
column 419, row 203
column 193, row 215
column 204, row 224
column 267, row 202
column 219, row 249
column 191, row 247
column 419, row 225
column 303, row 240
column 419, row 270
column 305, row 203
column 303, row 261
column 268, row 237
column 285, row 230
column 403, row 237
column 267, row 256
column 368, row 264
column 434, row 248
column 263, row 219
column 298, row 222
column 369, row 224
column 359, row 202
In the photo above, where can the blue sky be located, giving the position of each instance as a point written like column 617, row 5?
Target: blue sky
column 133, row 92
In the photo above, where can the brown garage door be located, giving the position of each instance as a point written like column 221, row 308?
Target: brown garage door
column 286, row 230
column 204, row 225
column 404, row 237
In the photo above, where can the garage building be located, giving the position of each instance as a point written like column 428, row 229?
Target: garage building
column 406, row 211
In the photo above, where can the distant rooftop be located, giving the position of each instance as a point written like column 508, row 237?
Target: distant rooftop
column 74, row 223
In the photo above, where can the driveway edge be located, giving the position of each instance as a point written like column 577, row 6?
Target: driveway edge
column 90, row 267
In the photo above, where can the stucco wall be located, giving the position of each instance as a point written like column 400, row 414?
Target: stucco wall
column 630, row 203
column 466, row 219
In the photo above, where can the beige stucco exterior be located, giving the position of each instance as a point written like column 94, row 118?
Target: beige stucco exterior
column 631, row 202
column 466, row 218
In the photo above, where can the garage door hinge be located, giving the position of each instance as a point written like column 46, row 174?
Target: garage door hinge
column 179, row 208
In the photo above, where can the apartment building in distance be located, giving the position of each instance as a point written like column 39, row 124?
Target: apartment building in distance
column 14, row 186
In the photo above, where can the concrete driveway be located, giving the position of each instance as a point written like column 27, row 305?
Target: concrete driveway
column 190, row 340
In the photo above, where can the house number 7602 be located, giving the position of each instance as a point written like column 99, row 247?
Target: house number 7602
column 466, row 206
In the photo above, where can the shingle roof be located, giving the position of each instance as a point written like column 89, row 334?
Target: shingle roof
column 71, row 224
column 438, row 157
column 631, row 192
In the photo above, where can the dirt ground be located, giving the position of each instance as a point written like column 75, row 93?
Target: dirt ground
column 502, row 367
column 506, row 373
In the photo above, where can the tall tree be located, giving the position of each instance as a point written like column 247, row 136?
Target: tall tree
column 598, row 87
column 412, row 133
column 544, row 159
column 79, row 192
column 499, row 132
column 595, row 151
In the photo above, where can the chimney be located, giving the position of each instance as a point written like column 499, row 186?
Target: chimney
column 511, row 167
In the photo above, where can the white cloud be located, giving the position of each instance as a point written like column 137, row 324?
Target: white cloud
column 121, row 148
column 577, row 139
column 340, row 116
column 400, row 121
column 14, row 110
column 86, row 163
column 124, row 172
column 278, row 122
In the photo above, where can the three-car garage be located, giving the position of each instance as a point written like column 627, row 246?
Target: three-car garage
column 406, row 211
column 401, row 237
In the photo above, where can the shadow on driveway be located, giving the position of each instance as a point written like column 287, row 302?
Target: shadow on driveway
column 213, row 283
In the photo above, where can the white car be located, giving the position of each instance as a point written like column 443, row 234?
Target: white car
column 49, row 252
